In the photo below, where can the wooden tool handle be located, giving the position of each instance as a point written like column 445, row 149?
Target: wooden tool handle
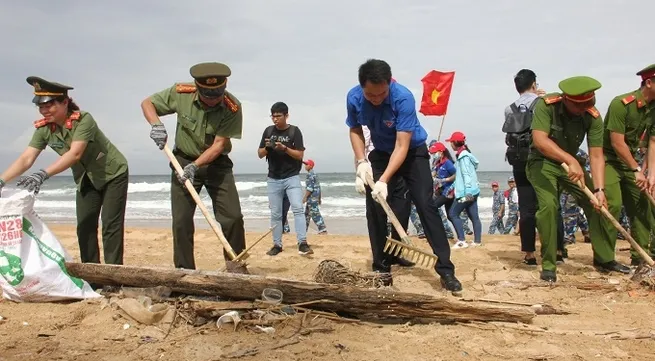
column 392, row 217
column 616, row 224
column 216, row 227
column 243, row 254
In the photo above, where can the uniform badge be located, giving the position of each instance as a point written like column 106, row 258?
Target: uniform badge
column 389, row 123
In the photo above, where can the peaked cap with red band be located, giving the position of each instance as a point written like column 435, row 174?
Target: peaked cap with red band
column 579, row 89
column 647, row 72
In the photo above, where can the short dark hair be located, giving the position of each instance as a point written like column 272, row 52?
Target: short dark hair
column 280, row 107
column 374, row 71
column 524, row 79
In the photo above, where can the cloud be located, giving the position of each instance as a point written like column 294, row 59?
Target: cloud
column 306, row 54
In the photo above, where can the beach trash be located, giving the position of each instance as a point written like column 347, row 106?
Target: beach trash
column 230, row 317
column 272, row 296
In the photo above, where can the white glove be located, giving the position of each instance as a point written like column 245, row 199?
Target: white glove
column 360, row 186
column 363, row 170
column 379, row 191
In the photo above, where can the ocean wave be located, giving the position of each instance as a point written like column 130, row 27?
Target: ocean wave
column 165, row 187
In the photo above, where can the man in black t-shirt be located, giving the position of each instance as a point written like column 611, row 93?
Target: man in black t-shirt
column 283, row 148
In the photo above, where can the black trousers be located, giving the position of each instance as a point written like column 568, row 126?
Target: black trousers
column 447, row 203
column 218, row 180
column 416, row 174
column 528, row 207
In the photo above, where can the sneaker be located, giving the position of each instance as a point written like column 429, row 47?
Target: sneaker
column 476, row 244
column 451, row 283
column 323, row 232
column 530, row 261
column 274, row 251
column 460, row 244
column 304, row 249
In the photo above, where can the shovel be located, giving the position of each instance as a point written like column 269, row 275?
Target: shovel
column 215, row 226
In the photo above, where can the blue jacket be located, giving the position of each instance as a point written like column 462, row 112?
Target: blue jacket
column 466, row 180
column 443, row 171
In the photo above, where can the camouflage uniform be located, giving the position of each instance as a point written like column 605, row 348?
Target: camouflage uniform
column 573, row 217
column 413, row 216
column 572, row 214
column 312, row 211
column 497, row 220
column 446, row 225
column 465, row 223
column 513, row 214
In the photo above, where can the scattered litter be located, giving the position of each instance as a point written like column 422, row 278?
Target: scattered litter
column 230, row 317
column 613, row 281
column 272, row 296
column 25, row 324
column 269, row 330
column 126, row 326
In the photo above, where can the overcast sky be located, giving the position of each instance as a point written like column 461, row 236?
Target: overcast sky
column 306, row 53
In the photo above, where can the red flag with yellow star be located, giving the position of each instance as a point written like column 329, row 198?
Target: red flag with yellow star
column 436, row 92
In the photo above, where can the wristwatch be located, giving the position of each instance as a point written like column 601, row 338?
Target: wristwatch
column 638, row 169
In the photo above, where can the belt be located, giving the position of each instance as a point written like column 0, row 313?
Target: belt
column 183, row 155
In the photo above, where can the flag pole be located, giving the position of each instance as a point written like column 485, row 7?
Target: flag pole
column 443, row 118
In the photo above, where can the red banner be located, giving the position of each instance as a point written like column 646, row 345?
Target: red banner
column 436, row 92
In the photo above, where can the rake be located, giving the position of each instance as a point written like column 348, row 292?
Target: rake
column 403, row 248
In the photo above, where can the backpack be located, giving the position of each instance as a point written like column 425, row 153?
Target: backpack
column 518, row 133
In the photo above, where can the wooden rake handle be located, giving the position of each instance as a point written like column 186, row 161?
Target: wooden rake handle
column 392, row 217
column 244, row 254
column 615, row 223
column 215, row 226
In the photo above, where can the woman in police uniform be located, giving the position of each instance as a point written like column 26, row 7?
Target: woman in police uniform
column 99, row 169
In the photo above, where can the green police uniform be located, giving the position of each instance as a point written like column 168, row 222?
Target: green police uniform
column 628, row 114
column 548, row 177
column 197, row 127
column 101, row 174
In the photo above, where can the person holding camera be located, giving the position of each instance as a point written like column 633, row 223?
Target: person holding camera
column 283, row 147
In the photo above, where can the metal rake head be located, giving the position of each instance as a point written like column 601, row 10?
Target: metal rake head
column 410, row 253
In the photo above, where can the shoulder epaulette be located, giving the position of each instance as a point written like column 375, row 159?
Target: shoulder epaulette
column 40, row 123
column 594, row 112
column 185, row 88
column 74, row 117
column 231, row 104
column 629, row 99
column 553, row 99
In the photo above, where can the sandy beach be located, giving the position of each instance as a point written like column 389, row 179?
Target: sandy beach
column 608, row 322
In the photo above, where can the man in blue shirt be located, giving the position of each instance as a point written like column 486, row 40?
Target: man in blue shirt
column 388, row 110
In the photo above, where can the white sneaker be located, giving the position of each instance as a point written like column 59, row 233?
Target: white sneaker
column 473, row 244
column 460, row 244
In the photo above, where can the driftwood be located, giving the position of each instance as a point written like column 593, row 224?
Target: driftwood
column 361, row 302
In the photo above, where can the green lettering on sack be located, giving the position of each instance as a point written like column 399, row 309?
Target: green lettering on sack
column 50, row 253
